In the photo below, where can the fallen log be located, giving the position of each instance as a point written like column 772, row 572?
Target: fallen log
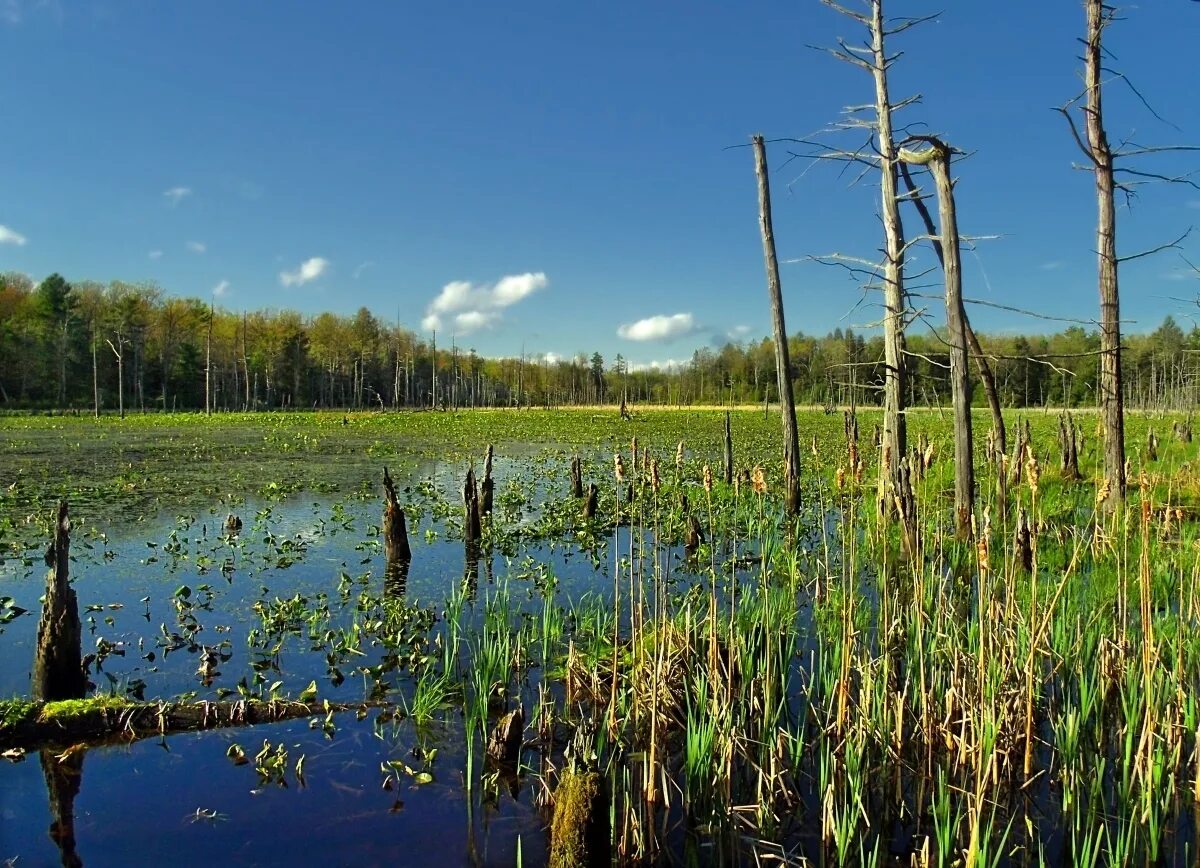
column 32, row 726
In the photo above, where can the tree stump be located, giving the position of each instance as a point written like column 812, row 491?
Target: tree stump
column 1023, row 541
column 470, row 493
column 487, row 487
column 504, row 744
column 58, row 663
column 589, row 505
column 576, row 478
column 395, row 529
column 1068, row 443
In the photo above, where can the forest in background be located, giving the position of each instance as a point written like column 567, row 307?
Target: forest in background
column 134, row 347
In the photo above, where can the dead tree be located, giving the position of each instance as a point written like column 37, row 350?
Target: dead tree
column 1102, row 162
column 1068, row 447
column 576, row 478
column 936, row 156
column 58, row 663
column 981, row 361
column 395, row 529
column 875, row 60
column 1023, row 541
column 487, row 487
column 470, row 494
column 783, row 366
column 728, row 456
column 589, row 505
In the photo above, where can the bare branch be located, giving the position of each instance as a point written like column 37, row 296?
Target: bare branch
column 1087, row 152
column 1173, row 245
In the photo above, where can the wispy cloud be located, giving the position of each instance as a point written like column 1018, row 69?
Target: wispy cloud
column 11, row 236
column 221, row 289
column 658, row 328
column 1054, row 265
column 309, row 270
column 176, row 195
column 155, row 254
column 12, row 12
column 1194, row 203
column 1180, row 273
column 197, row 246
column 361, row 267
column 468, row 307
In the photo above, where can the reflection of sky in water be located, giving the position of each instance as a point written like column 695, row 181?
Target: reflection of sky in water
column 137, row 805
column 139, row 802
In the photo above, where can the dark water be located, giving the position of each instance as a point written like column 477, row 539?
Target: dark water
column 180, row 799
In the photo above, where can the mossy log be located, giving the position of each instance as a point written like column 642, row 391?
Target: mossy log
column 35, row 725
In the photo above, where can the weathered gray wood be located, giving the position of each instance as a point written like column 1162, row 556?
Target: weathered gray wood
column 956, row 322
column 576, row 478
column 791, row 438
column 1112, row 407
column 58, row 661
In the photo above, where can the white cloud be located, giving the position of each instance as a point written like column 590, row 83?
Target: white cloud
column 667, row 365
column 176, row 195
column 1051, row 266
column 551, row 358
column 155, row 254
column 470, row 307
column 658, row 328
column 361, row 267
column 221, row 289
column 309, row 270
column 10, row 236
column 197, row 246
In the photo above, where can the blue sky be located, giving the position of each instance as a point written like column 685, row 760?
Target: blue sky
column 550, row 175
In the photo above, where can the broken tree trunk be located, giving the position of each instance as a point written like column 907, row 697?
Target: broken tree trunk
column 470, row 493
column 787, row 405
column 1023, row 541
column 589, row 505
column 1068, row 445
column 395, row 530
column 728, row 456
column 504, row 743
column 576, row 478
column 487, row 487
column 58, row 662
column 937, row 158
column 981, row 362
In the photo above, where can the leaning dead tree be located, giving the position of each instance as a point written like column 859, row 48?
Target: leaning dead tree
column 1109, row 178
column 936, row 155
column 58, row 663
column 783, row 365
column 986, row 377
column 880, row 153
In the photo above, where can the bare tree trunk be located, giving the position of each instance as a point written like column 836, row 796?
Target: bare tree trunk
column 95, row 378
column 728, row 456
column 937, row 158
column 981, row 362
column 57, row 666
column 791, row 438
column 208, row 365
column 1112, row 409
column 895, row 424
column 395, row 530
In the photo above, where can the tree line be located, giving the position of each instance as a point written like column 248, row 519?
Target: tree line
column 133, row 347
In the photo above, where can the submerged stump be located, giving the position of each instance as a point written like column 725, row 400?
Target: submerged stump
column 58, row 662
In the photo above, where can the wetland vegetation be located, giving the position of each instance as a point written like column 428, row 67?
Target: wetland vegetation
column 700, row 677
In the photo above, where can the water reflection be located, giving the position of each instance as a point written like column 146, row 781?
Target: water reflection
column 64, row 775
column 395, row 577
